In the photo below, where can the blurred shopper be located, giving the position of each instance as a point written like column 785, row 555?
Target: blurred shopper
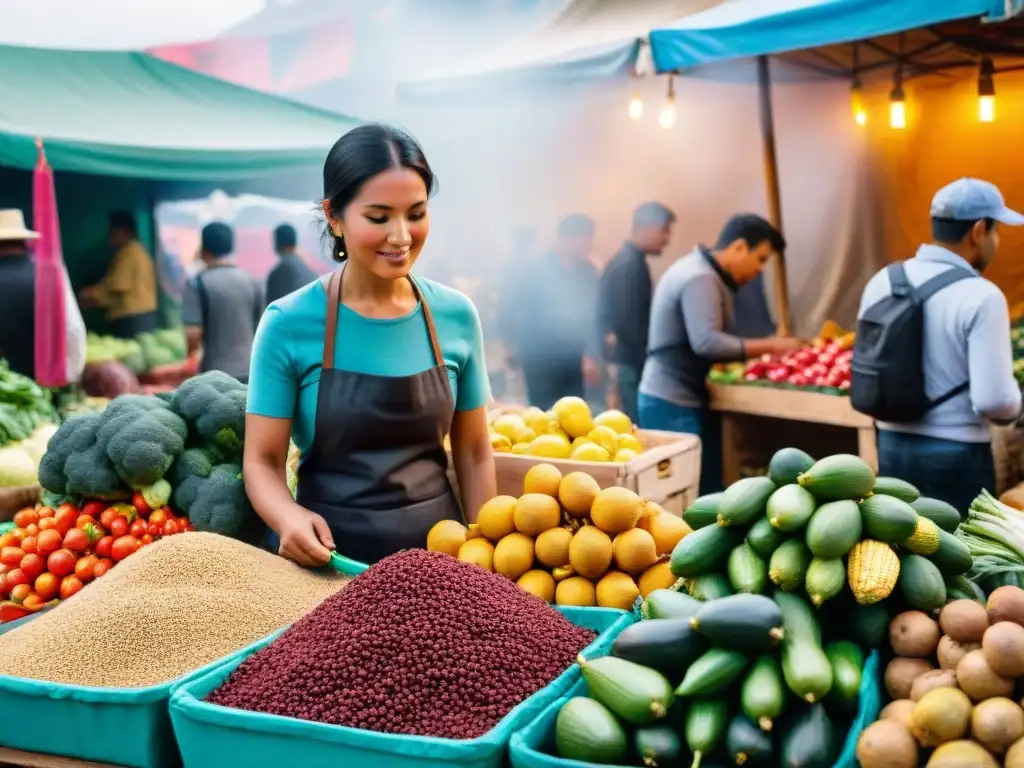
column 222, row 306
column 932, row 361
column 556, row 304
column 624, row 303
column 291, row 272
column 128, row 289
column 693, row 306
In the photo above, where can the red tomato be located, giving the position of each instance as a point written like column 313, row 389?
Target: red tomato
column 138, row 528
column 107, row 516
column 47, row 586
column 171, row 527
column 83, row 520
column 102, row 567
column 47, row 523
column 8, row 540
column 62, row 562
column 48, row 541
column 145, row 540
column 32, row 565
column 159, row 516
column 29, row 544
column 25, row 517
column 103, row 546
column 20, row 592
column 94, row 532
column 66, row 517
column 15, row 577
column 69, row 586
column 139, row 502
column 3, row 586
column 123, row 546
column 84, row 568
column 18, row 534
column 118, row 527
column 94, row 508
column 34, row 602
column 154, row 530
column 45, row 512
column 67, row 509
column 32, row 529
column 77, row 540
column 11, row 556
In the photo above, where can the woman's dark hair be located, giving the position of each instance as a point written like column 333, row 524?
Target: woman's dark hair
column 360, row 155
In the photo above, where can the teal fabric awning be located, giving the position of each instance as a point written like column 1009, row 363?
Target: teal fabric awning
column 132, row 115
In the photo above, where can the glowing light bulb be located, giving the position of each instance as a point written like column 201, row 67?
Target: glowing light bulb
column 987, row 109
column 987, row 92
column 860, row 116
column 636, row 107
column 898, row 114
column 667, row 119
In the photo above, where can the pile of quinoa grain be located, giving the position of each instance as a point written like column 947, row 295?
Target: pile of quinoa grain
column 167, row 610
column 420, row 644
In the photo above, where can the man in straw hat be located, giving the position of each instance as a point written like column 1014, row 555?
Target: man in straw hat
column 17, row 293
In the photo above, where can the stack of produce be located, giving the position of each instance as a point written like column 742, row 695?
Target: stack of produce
column 419, row 644
column 567, row 541
column 164, row 347
column 954, row 683
column 994, row 534
column 52, row 553
column 174, row 607
column 1017, row 339
column 711, row 680
column 567, row 431
column 102, row 349
column 26, row 416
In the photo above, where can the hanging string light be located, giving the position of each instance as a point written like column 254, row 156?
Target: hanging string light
column 986, row 92
column 898, row 101
column 860, row 115
column 636, row 105
column 667, row 119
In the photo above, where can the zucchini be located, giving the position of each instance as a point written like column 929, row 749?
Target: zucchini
column 703, row 512
column 869, row 624
column 740, row 623
column 763, row 538
column 834, row 529
column 706, row 723
column 747, row 571
column 806, row 669
column 585, row 730
column 921, row 583
column 712, row 673
column 788, row 564
column 787, row 464
column 638, row 695
column 703, row 551
column 658, row 746
column 939, row 512
column 888, row 519
column 825, row 579
column 810, row 742
column 744, row 501
column 962, row 588
column 893, row 486
column 761, row 696
column 798, row 618
column 790, row 507
column 847, row 662
column 952, row 557
column 668, row 604
column 710, row 586
column 842, row 476
column 668, row 646
column 747, row 744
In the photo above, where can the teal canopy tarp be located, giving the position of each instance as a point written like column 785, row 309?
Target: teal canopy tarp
column 132, row 115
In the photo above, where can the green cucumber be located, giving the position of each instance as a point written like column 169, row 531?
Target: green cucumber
column 869, row 624
column 825, row 579
column 806, row 669
column 798, row 619
column 638, row 695
column 787, row 465
column 585, row 730
column 939, row 512
column 710, row 586
column 740, row 623
column 962, row 588
column 703, row 551
column 847, row 662
column 706, row 723
column 834, row 528
column 761, row 695
column 921, row 583
column 747, row 571
column 744, row 501
column 810, row 741
column 843, row 476
column 887, row 519
column 712, row 673
column 893, row 486
column 790, row 507
column 952, row 557
column 763, row 538
column 668, row 646
column 703, row 512
column 747, row 744
column 668, row 604
column 788, row 564
column 658, row 746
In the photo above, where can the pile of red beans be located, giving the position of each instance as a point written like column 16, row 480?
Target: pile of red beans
column 420, row 644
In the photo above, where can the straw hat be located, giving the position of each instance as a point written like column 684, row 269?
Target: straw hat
column 12, row 226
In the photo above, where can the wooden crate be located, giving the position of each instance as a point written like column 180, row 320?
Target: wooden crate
column 1007, row 456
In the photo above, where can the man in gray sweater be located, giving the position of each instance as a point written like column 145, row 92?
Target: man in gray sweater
column 691, row 318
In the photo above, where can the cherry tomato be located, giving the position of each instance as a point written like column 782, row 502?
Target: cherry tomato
column 94, row 508
column 139, row 502
column 158, row 517
column 47, row 523
column 47, row 585
column 123, row 547
column 11, row 556
column 20, row 592
column 67, row 508
column 138, row 528
column 19, row 534
column 119, row 527
column 15, row 577
column 32, row 529
column 62, row 562
column 32, row 565
column 107, row 517
column 29, row 545
column 171, row 527
column 102, row 567
column 48, row 541
column 76, row 540
column 8, row 540
column 69, row 586
column 3, row 586
column 44, row 511
column 84, row 568
column 94, row 532
column 103, row 546
column 83, row 520
column 25, row 517
column 66, row 517
column 146, row 540
column 34, row 602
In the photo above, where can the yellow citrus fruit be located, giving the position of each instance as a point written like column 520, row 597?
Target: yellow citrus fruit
column 634, row 551
column 536, row 513
column 575, row 591
column 497, row 517
column 623, row 455
column 500, row 443
column 542, row 478
column 619, row 422
column 446, row 536
column 513, row 556
column 552, row 547
column 606, row 438
column 478, row 552
column 550, row 447
column 630, row 442
column 509, row 425
column 574, row 416
column 521, row 449
column 658, row 576
column 577, row 492
column 539, row 584
column 617, row 590
column 667, row 530
column 616, row 509
column 589, row 452
column 590, row 552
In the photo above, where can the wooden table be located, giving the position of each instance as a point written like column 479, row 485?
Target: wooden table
column 732, row 400
column 15, row 757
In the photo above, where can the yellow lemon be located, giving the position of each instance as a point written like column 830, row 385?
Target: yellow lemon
column 521, row 449
column 631, row 443
column 577, row 492
column 542, row 478
column 619, row 422
column 539, row 584
column 447, row 536
column 589, row 452
column 575, row 590
column 606, row 438
column 552, row 547
column 524, row 435
column 497, row 517
column 500, row 443
column 658, row 576
column 509, row 425
column 574, row 416
column 550, row 447
column 623, row 455
column 539, row 421
column 617, row 590
column 478, row 552
column 577, row 442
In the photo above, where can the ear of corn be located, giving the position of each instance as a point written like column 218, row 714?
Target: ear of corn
column 925, row 540
column 872, row 570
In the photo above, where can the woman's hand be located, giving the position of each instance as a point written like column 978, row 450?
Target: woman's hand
column 306, row 539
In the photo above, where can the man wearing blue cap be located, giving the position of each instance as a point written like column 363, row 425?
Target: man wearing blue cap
column 932, row 361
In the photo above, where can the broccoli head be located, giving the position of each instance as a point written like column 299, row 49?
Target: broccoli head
column 187, row 473
column 141, row 438
column 213, row 406
column 220, row 505
column 76, row 462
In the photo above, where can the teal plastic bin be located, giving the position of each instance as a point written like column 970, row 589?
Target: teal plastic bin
column 119, row 726
column 211, row 736
column 531, row 746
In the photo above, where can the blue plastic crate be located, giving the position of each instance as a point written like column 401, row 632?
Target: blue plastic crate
column 214, row 736
column 531, row 747
column 120, row 726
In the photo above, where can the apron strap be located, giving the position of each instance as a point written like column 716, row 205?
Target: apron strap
column 429, row 317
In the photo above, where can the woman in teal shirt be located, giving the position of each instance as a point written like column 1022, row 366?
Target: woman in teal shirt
column 367, row 370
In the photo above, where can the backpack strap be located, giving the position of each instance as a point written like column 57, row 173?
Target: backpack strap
column 942, row 280
column 899, row 284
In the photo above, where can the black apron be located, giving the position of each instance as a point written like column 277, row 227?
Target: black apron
column 377, row 469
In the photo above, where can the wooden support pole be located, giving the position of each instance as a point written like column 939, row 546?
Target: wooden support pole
column 771, row 175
